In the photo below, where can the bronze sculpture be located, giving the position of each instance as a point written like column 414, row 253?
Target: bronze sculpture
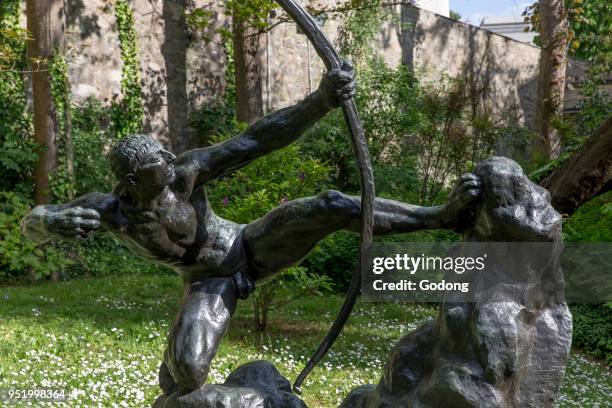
column 160, row 210
column 509, row 343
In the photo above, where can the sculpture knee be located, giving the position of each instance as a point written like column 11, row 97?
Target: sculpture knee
column 335, row 203
column 197, row 330
column 188, row 370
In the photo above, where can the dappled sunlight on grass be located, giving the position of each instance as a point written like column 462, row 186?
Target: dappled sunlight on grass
column 103, row 339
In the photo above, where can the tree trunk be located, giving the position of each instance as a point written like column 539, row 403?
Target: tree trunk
column 45, row 20
column 585, row 175
column 249, row 101
column 553, row 62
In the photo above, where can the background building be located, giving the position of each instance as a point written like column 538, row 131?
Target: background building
column 510, row 27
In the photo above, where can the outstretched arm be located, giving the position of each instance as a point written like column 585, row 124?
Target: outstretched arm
column 273, row 132
column 73, row 221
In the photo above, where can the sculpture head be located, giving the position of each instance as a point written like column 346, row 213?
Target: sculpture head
column 513, row 207
column 142, row 165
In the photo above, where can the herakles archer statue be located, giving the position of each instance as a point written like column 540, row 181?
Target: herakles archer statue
column 160, row 211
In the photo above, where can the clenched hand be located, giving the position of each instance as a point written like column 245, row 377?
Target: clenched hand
column 73, row 223
column 338, row 85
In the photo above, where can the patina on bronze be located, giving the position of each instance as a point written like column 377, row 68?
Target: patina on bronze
column 160, row 210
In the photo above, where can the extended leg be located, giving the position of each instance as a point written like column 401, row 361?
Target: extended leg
column 205, row 314
column 286, row 234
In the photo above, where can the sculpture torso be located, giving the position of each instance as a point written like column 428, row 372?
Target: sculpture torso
column 180, row 231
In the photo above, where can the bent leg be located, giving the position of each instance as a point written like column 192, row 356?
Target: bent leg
column 286, row 234
column 208, row 305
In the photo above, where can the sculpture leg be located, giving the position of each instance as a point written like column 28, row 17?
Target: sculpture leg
column 207, row 307
column 286, row 234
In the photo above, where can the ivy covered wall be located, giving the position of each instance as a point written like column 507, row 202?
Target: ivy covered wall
column 165, row 61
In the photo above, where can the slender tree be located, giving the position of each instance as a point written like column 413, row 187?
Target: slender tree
column 249, row 102
column 45, row 22
column 554, row 37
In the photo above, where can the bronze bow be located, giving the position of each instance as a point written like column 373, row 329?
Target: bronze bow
column 332, row 61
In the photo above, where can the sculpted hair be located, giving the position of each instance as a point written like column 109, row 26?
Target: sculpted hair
column 129, row 151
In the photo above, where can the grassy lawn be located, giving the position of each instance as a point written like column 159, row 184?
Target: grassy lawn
column 102, row 339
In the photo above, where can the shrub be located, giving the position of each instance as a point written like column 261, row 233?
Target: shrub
column 295, row 284
column 421, row 135
column 592, row 222
column 17, row 255
column 593, row 329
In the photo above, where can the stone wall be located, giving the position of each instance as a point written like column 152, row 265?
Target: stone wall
column 176, row 64
column 502, row 72
column 505, row 71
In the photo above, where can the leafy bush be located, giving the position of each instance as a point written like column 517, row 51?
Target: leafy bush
column 336, row 257
column 17, row 255
column 17, row 149
column 592, row 222
column 593, row 329
column 264, row 184
column 295, row 284
column 421, row 135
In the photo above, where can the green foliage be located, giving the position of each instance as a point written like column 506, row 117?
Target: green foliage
column 250, row 13
column 541, row 172
column 382, row 97
column 592, row 222
column 12, row 37
column 420, row 135
column 85, row 132
column 16, row 253
column 455, row 15
column 589, row 34
column 17, row 149
column 591, row 25
column 296, row 283
column 336, row 257
column 266, row 183
column 91, row 134
column 219, row 118
column 596, row 106
column 105, row 256
column 62, row 179
column 594, row 109
column 592, row 329
column 361, row 24
column 128, row 114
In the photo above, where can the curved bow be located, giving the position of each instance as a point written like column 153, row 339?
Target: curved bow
column 332, row 61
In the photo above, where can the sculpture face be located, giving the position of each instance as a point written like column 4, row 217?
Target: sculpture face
column 142, row 165
column 154, row 171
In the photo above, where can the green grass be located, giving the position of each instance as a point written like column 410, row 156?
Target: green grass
column 102, row 339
